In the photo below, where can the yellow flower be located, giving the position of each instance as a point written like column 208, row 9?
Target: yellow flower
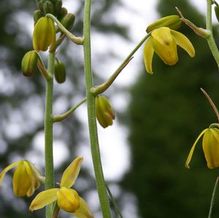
column 163, row 41
column 67, row 198
column 210, row 145
column 26, row 178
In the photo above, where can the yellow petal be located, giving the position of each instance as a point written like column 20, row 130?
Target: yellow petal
column 22, row 179
column 148, row 55
column 83, row 211
column 183, row 42
column 68, row 199
column 44, row 198
column 188, row 160
column 165, row 45
column 71, row 173
column 211, row 147
column 5, row 170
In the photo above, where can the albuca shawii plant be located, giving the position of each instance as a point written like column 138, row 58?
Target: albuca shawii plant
column 52, row 25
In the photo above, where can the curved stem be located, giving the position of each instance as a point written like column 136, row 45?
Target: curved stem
column 100, row 183
column 211, row 103
column 60, row 117
column 72, row 37
column 104, row 86
column 213, row 197
column 210, row 39
column 48, row 131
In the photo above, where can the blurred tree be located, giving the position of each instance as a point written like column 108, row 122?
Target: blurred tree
column 22, row 99
column 166, row 113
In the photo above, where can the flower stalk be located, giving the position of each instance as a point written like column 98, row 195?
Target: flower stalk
column 48, row 131
column 95, row 151
column 104, row 86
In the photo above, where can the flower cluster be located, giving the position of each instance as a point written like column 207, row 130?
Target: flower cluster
column 27, row 179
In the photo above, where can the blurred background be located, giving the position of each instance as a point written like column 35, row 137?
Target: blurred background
column 157, row 117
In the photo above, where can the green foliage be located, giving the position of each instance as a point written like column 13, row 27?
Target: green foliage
column 166, row 113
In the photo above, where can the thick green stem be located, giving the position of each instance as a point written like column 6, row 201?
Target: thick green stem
column 213, row 197
column 210, row 39
column 101, row 188
column 102, row 87
column 48, row 131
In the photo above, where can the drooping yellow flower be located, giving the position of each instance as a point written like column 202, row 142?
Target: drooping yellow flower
column 163, row 41
column 26, row 178
column 67, row 198
column 210, row 145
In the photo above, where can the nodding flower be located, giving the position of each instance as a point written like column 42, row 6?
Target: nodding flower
column 163, row 41
column 26, row 178
column 210, row 145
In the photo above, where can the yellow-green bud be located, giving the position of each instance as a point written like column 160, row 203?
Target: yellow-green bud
column 44, row 34
column 104, row 112
column 171, row 21
column 48, row 7
column 60, row 73
column 216, row 10
column 68, row 21
column 29, row 63
column 37, row 14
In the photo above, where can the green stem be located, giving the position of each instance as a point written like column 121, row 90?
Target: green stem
column 61, row 117
column 104, row 86
column 72, row 37
column 213, row 106
column 210, row 39
column 48, row 131
column 101, row 188
column 213, row 197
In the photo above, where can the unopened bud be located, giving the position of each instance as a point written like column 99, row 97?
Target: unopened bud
column 62, row 13
column 104, row 112
column 58, row 6
column 44, row 34
column 68, row 21
column 29, row 63
column 60, row 73
column 48, row 7
column 37, row 14
column 171, row 21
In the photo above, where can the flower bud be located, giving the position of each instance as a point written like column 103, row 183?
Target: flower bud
column 60, row 73
column 44, row 34
column 62, row 13
column 68, row 21
column 171, row 21
column 104, row 111
column 58, row 6
column 48, row 7
column 216, row 10
column 29, row 63
column 37, row 14
column 68, row 199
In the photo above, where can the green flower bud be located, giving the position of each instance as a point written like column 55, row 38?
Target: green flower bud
column 171, row 21
column 48, row 7
column 104, row 111
column 62, row 13
column 216, row 10
column 68, row 21
column 44, row 34
column 60, row 73
column 29, row 63
column 37, row 14
column 58, row 6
